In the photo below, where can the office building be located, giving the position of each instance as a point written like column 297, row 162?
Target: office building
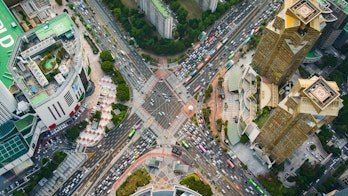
column 8, row 104
column 208, row 4
column 310, row 104
column 159, row 16
column 49, row 69
column 287, row 39
column 343, row 179
column 335, row 13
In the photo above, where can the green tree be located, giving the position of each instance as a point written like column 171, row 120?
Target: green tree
column 59, row 2
column 244, row 138
column 122, row 92
column 72, row 134
column 106, row 56
column 107, row 67
column 97, row 115
column 117, row 12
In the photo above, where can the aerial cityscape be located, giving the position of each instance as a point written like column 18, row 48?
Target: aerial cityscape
column 173, row 97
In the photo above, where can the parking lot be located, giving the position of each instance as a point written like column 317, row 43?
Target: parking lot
column 162, row 104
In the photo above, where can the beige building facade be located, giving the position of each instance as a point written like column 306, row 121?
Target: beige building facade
column 310, row 104
column 287, row 39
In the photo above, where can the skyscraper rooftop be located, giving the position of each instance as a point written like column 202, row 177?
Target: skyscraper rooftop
column 9, row 34
column 305, row 11
column 161, row 8
column 321, row 93
column 342, row 4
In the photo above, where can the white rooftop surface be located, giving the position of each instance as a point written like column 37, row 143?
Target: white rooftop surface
column 252, row 131
column 246, row 155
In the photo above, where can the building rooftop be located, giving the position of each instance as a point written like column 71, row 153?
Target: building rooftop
column 341, row 4
column 321, row 93
column 305, row 11
column 10, row 35
column 12, row 143
column 25, row 122
column 45, row 58
column 161, row 8
column 57, row 26
column 232, row 133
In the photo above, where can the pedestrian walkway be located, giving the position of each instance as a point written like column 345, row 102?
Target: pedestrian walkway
column 95, row 131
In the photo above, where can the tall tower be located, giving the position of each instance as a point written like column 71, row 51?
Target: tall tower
column 335, row 13
column 287, row 39
column 310, row 104
column 8, row 104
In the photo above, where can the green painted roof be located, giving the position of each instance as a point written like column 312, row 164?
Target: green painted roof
column 161, row 8
column 39, row 98
column 6, row 130
column 323, row 2
column 58, row 26
column 342, row 4
column 346, row 28
column 12, row 149
column 232, row 133
column 311, row 54
column 9, row 38
column 23, row 123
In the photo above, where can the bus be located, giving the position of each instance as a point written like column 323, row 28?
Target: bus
column 196, row 46
column 230, row 163
column 257, row 187
column 197, row 88
column 260, row 190
column 202, row 148
column 229, row 64
column 188, row 79
column 131, row 134
column 199, row 67
column 252, row 182
column 212, row 53
column 211, row 39
column 219, row 46
column 185, row 144
column 225, row 40
column 231, row 56
column 138, row 125
column 207, row 58
column 194, row 73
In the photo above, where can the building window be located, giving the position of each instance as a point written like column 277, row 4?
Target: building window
column 52, row 113
column 61, row 108
column 56, row 110
column 68, row 98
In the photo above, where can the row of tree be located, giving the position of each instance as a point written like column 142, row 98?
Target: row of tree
column 108, row 67
column 187, row 31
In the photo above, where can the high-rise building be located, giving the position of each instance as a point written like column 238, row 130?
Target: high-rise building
column 335, row 13
column 310, row 104
column 49, row 69
column 8, row 104
column 287, row 39
column 158, row 15
column 208, row 4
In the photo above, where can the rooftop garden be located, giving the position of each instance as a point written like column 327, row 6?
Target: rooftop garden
column 193, row 182
column 139, row 178
column 262, row 116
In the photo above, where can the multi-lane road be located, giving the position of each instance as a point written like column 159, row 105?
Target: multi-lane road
column 137, row 73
